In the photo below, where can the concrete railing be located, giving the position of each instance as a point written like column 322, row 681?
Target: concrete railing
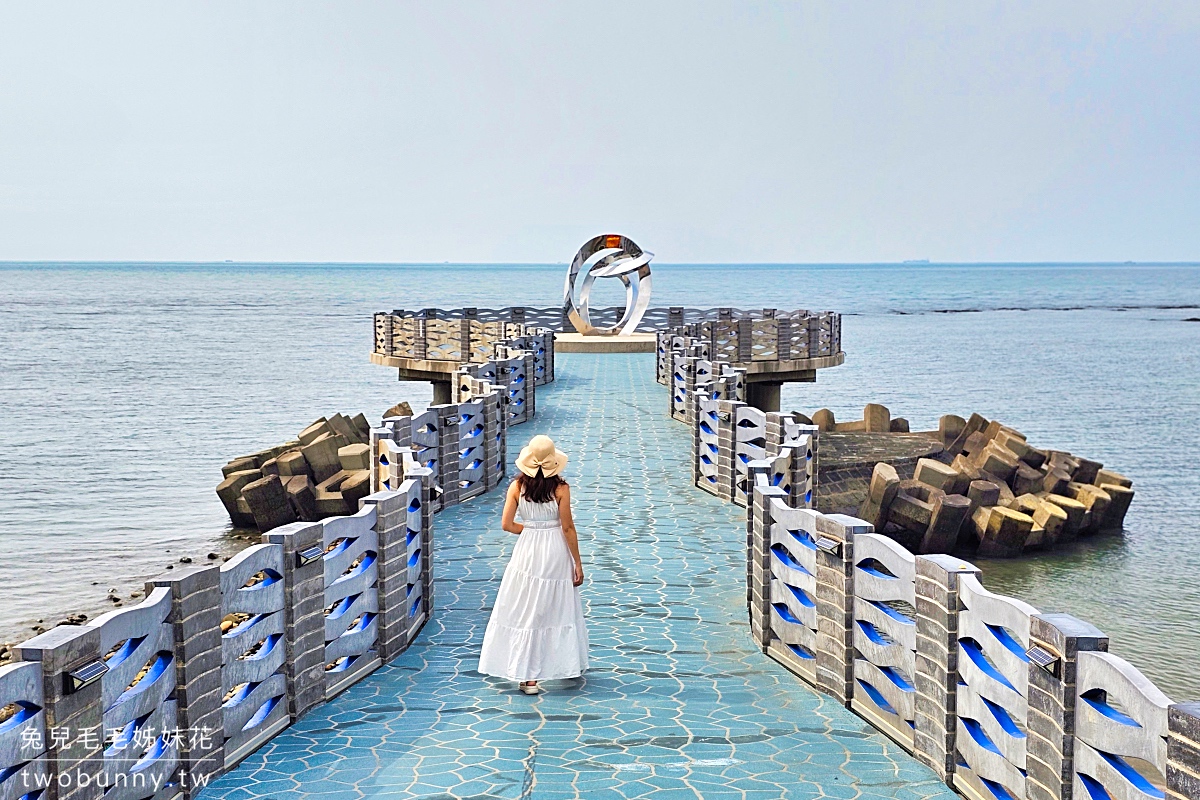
column 1003, row 701
column 771, row 335
column 155, row 700
column 461, row 337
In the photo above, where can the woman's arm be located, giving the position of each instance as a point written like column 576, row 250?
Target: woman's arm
column 509, row 521
column 569, row 532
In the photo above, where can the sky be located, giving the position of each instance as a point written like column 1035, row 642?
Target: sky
column 513, row 132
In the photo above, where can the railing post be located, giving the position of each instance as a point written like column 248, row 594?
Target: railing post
column 530, row 384
column 196, row 622
column 303, row 612
column 814, row 336
column 758, row 564
column 448, row 447
column 428, row 585
column 391, row 529
column 1183, row 751
column 727, row 447
column 1055, row 643
column 835, row 603
column 937, row 660
column 75, row 713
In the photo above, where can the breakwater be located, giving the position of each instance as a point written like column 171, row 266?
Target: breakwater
column 1000, row 700
column 972, row 483
column 155, row 700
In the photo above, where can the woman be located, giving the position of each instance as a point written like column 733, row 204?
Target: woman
column 537, row 631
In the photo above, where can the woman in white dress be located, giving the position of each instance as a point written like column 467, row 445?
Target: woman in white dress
column 537, row 631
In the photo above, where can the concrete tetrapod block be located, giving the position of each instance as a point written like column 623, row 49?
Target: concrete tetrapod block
column 975, row 424
column 1107, row 477
column 355, row 487
column 877, row 418
column 912, row 507
column 885, row 483
column 1087, row 470
column 1114, row 517
column 1075, row 512
column 950, row 426
column 355, row 457
column 899, row 425
column 974, row 445
column 1026, row 480
column 824, row 420
column 302, row 494
column 292, row 463
column 330, row 502
column 314, row 431
column 341, row 425
column 230, row 491
column 1095, row 500
column 1048, row 520
column 268, row 503
column 241, row 465
column 1006, row 533
column 998, row 460
column 983, row 493
column 1056, row 482
column 950, row 511
column 322, row 456
column 359, row 421
column 936, row 474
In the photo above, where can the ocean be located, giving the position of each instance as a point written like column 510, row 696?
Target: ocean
column 125, row 387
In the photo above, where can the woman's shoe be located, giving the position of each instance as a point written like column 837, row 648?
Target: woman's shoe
column 530, row 687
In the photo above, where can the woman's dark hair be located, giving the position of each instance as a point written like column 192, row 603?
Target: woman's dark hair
column 538, row 488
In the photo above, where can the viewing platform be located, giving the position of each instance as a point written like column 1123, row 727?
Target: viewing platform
column 771, row 346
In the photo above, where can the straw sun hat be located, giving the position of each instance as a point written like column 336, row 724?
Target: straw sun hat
column 541, row 453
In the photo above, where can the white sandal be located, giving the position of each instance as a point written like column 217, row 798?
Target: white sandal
column 530, row 687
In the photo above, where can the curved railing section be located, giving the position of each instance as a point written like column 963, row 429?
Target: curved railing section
column 1001, row 701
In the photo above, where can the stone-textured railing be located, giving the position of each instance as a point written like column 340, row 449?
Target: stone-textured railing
column 769, row 335
column 434, row 335
column 1000, row 700
column 155, row 700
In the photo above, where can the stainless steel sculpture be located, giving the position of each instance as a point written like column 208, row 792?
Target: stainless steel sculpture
column 609, row 256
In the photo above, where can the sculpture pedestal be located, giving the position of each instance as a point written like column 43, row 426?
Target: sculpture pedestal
column 578, row 343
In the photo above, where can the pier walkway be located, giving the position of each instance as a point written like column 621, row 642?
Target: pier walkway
column 678, row 702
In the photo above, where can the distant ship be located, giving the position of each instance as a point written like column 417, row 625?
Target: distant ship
column 917, row 261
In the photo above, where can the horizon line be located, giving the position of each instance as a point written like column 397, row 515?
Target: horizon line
column 904, row 263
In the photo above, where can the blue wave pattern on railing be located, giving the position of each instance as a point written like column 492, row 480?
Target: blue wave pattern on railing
column 23, row 735
column 139, row 712
column 992, row 704
column 351, row 566
column 793, row 586
column 253, row 651
column 1120, row 730
column 471, row 454
column 885, row 635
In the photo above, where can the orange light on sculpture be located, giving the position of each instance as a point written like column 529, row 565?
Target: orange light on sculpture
column 612, row 241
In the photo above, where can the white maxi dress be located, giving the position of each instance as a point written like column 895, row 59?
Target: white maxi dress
column 537, row 631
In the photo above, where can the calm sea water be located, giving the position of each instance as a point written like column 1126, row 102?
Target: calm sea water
column 123, row 388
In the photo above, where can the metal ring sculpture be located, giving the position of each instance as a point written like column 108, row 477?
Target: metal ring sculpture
column 609, row 256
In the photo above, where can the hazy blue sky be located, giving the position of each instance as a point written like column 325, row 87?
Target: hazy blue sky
column 513, row 132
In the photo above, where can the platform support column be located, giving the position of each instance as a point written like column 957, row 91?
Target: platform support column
column 763, row 395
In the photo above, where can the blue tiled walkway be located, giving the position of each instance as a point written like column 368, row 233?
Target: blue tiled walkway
column 678, row 703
